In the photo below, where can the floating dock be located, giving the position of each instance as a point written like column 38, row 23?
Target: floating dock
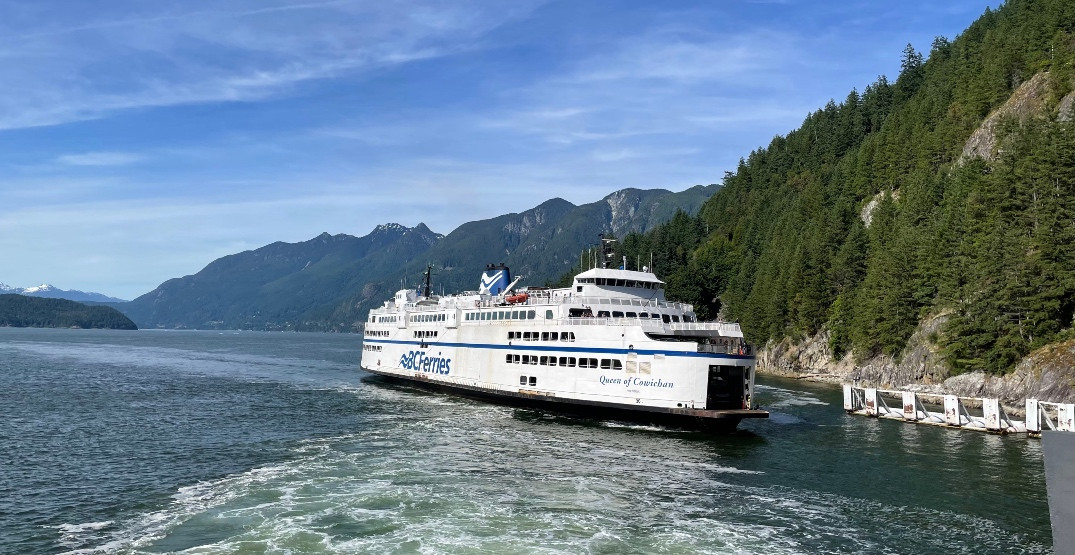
column 911, row 406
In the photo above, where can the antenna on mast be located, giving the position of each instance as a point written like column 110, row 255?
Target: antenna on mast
column 427, row 291
column 608, row 247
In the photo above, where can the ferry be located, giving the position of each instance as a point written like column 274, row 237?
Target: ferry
column 609, row 347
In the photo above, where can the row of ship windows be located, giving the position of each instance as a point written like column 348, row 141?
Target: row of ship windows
column 502, row 315
column 622, row 283
column 570, row 362
column 376, row 333
column 429, row 317
column 543, row 336
column 385, row 319
column 374, row 348
column 524, row 380
column 426, row 333
column 666, row 318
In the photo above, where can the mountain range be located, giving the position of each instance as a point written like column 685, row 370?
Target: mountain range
column 331, row 281
column 50, row 292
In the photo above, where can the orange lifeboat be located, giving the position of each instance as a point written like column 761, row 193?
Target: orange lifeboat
column 516, row 299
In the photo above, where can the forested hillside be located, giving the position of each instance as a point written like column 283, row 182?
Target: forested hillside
column 21, row 311
column 870, row 217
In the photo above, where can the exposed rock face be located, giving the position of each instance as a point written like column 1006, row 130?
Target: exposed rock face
column 1029, row 99
column 1066, row 108
column 812, row 358
column 1047, row 374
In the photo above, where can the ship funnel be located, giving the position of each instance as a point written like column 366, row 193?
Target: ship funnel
column 495, row 280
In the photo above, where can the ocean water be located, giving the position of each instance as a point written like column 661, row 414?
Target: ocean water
column 207, row 442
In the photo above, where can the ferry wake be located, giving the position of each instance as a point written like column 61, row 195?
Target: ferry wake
column 610, row 347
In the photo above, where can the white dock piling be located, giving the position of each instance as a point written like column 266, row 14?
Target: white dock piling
column 1041, row 415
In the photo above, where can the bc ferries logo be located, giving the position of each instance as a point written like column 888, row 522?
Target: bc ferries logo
column 422, row 362
column 488, row 281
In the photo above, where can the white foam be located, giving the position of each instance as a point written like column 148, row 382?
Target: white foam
column 84, row 527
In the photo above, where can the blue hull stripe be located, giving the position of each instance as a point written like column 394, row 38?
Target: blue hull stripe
column 558, row 349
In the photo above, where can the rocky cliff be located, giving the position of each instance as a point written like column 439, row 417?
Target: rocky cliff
column 1047, row 374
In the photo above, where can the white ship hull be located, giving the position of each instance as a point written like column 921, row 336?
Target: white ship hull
column 549, row 350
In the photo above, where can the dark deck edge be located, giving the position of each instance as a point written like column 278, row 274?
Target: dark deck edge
column 720, row 421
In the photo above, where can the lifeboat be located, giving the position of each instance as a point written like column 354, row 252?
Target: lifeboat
column 518, row 298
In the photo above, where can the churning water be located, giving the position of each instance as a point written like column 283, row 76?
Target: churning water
column 207, row 442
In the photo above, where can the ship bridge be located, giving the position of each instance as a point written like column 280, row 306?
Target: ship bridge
column 608, row 282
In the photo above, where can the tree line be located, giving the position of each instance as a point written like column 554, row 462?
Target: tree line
column 987, row 243
column 21, row 311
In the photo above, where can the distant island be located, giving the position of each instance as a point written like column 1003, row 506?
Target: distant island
column 21, row 311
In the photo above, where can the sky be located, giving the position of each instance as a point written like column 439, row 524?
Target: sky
column 140, row 141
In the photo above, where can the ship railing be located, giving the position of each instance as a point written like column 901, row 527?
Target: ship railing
column 727, row 329
column 541, row 298
column 646, row 323
column 730, row 349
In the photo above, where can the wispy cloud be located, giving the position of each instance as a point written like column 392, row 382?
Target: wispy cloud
column 118, row 62
column 99, row 159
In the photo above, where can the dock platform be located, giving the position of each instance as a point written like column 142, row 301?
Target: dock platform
column 913, row 407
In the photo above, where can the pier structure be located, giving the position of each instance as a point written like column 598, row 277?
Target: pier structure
column 912, row 406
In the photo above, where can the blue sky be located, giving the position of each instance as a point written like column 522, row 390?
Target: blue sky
column 139, row 141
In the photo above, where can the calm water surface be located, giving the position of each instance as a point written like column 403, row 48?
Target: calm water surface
column 207, row 442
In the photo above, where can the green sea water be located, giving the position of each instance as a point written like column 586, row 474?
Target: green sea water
column 240, row 442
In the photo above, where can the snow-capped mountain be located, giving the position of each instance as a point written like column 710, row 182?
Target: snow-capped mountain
column 52, row 292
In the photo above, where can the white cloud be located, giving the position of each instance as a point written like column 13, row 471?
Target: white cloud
column 99, row 159
column 56, row 73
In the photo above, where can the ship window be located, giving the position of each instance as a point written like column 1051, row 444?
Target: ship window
column 507, row 358
column 563, row 361
column 515, row 359
column 522, row 380
column 533, row 359
column 632, row 315
column 553, row 336
column 514, row 314
column 552, row 361
column 526, row 359
column 617, row 314
column 584, row 363
column 544, row 361
column 665, row 318
column 548, row 315
column 606, row 364
column 602, row 314
column 688, row 318
column 593, row 363
column 544, row 336
column 531, row 314
column 655, row 316
column 570, row 361
column 675, row 317
column 578, row 289
column 617, row 364
column 533, row 380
